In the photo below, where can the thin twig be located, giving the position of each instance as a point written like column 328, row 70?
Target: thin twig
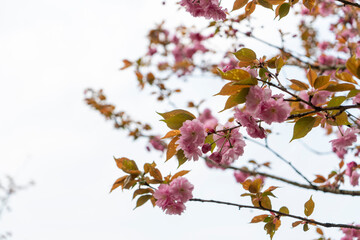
column 327, row 225
column 282, row 159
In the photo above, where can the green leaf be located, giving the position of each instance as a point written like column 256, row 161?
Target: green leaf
column 142, row 200
column 236, row 99
column 265, row 4
column 309, row 207
column 270, row 229
column 181, row 157
column 175, row 119
column 340, row 87
column 353, row 93
column 306, row 227
column 266, row 202
column 284, row 10
column 141, row 191
column 235, row 75
column 284, row 210
column 336, row 101
column 209, row 139
column 321, row 81
column 302, row 127
column 246, row 55
column 255, row 186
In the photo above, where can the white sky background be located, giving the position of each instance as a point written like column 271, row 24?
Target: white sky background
column 50, row 51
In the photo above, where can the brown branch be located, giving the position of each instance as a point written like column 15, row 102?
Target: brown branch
column 340, row 108
column 327, row 225
column 349, row 3
column 305, row 186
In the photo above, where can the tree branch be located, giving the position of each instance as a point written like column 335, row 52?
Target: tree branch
column 349, row 3
column 282, row 159
column 327, row 225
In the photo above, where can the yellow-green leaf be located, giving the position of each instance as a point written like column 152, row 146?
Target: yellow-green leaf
column 231, row 89
column 236, row 99
column 284, row 210
column 321, row 81
column 255, row 186
column 266, row 202
column 179, row 174
column 142, row 200
column 259, row 218
column 302, row 127
column 309, row 207
column 245, row 54
column 171, row 134
column 284, row 10
column 353, row 65
column 309, row 4
column 345, row 76
column 235, row 75
column 265, row 4
column 171, row 150
column 239, row 4
column 340, row 87
column 141, row 191
column 174, row 119
column 119, row 182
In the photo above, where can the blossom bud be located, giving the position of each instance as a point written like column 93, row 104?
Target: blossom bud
column 206, row 148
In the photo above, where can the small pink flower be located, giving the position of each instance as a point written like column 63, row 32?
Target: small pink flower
column 175, row 208
column 157, row 143
column 252, row 128
column 255, row 96
column 208, row 120
column 204, row 8
column 323, row 45
column 350, row 168
column 181, row 189
column 354, row 179
column 230, row 144
column 326, row 60
column 274, row 111
column 346, row 140
column 163, row 196
column 320, row 97
column 192, row 137
column 241, row 176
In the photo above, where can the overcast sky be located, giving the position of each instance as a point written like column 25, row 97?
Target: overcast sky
column 50, row 51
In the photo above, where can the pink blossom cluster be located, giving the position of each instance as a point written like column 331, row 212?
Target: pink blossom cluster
column 241, row 176
column 208, row 120
column 326, row 8
column 327, row 60
column 351, row 172
column 204, row 8
column 192, row 137
column 269, row 108
column 345, row 140
column 157, row 144
column 183, row 52
column 230, row 144
column 171, row 197
column 252, row 127
column 350, row 233
column 318, row 98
